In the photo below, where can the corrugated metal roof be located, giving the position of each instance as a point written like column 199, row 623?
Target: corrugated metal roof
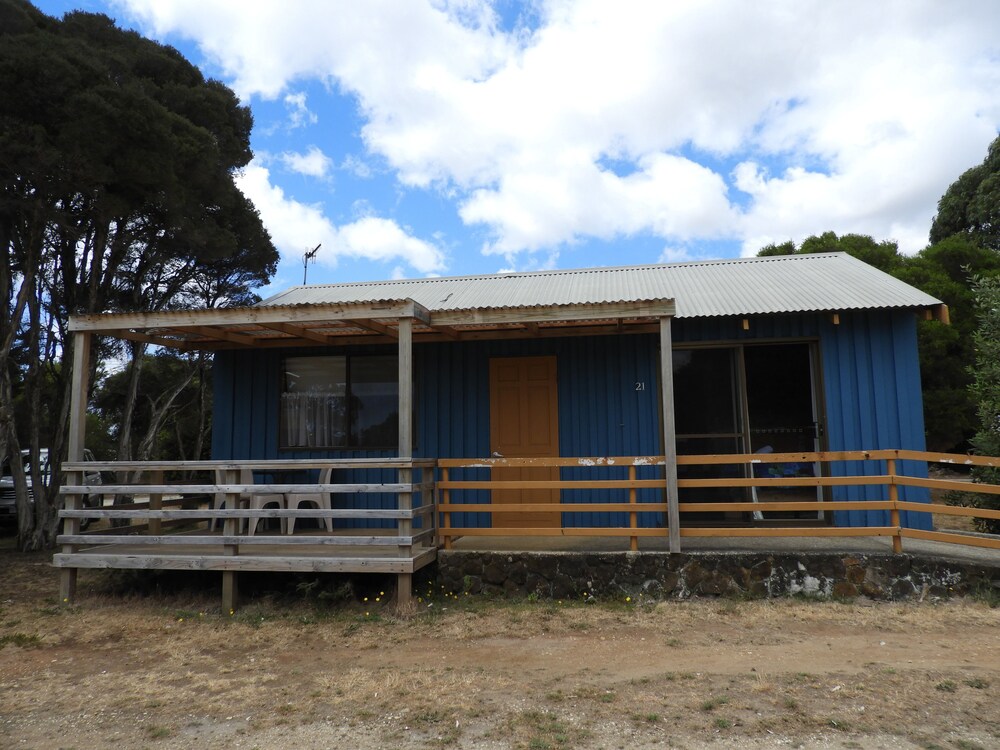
column 746, row 286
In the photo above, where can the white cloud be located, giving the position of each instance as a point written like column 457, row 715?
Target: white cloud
column 312, row 163
column 864, row 112
column 674, row 255
column 356, row 166
column 299, row 114
column 297, row 227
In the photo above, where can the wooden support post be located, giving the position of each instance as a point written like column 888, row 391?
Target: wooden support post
column 669, row 434
column 633, row 517
column 405, row 387
column 897, row 540
column 76, row 444
column 404, row 581
column 446, row 494
column 155, row 503
column 231, row 527
column 230, row 591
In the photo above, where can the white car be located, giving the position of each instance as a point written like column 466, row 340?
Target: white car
column 8, row 504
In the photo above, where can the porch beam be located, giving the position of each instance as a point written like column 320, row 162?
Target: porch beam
column 115, row 323
column 669, row 433
column 445, row 335
column 555, row 313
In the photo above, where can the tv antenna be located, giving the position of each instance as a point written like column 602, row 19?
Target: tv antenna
column 310, row 255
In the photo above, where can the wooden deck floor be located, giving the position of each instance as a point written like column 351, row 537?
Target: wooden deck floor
column 319, row 552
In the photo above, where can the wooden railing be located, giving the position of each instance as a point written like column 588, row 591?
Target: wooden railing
column 146, row 508
column 598, row 468
column 868, row 472
column 161, row 517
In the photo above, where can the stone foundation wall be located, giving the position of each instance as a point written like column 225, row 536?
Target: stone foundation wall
column 660, row 575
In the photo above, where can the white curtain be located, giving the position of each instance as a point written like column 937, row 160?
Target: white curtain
column 314, row 419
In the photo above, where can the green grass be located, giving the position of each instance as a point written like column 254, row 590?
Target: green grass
column 713, row 703
column 21, row 640
column 158, row 733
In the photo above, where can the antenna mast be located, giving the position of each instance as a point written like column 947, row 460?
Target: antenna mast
column 310, row 255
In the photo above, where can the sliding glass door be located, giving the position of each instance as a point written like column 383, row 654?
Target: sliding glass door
column 746, row 398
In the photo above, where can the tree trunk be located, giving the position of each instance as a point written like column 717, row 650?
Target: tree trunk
column 159, row 409
column 137, row 351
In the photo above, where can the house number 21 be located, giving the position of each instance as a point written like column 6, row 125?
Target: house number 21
column 640, row 385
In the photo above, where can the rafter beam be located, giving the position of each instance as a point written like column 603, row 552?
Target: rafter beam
column 298, row 332
column 447, row 332
column 376, row 327
column 220, row 334
column 143, row 338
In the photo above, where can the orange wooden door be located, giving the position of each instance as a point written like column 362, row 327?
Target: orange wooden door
column 524, row 422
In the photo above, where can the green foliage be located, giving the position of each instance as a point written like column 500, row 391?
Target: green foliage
column 986, row 390
column 971, row 205
column 117, row 192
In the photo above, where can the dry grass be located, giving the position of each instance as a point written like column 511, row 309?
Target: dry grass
column 170, row 670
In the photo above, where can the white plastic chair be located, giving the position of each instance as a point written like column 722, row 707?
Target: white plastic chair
column 259, row 501
column 321, row 499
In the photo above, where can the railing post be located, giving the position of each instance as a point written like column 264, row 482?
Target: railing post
column 446, row 495
column 897, row 540
column 230, row 527
column 633, row 517
column 67, row 576
column 432, row 495
column 155, row 503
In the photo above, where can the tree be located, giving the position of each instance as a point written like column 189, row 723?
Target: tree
column 169, row 421
column 986, row 390
column 883, row 255
column 971, row 205
column 116, row 193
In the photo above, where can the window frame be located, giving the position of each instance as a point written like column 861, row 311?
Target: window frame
column 352, row 432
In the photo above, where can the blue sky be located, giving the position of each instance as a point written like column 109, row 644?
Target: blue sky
column 456, row 137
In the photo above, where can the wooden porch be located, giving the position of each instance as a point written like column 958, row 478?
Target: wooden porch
column 157, row 521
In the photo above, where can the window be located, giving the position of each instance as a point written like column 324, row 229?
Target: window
column 340, row 402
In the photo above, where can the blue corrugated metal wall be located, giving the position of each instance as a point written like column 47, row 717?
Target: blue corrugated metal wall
column 870, row 378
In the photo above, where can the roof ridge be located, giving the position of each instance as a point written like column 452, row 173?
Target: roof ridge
column 568, row 271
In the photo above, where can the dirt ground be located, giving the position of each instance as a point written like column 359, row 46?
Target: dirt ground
column 309, row 669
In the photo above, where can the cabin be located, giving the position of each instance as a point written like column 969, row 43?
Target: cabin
column 512, row 390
